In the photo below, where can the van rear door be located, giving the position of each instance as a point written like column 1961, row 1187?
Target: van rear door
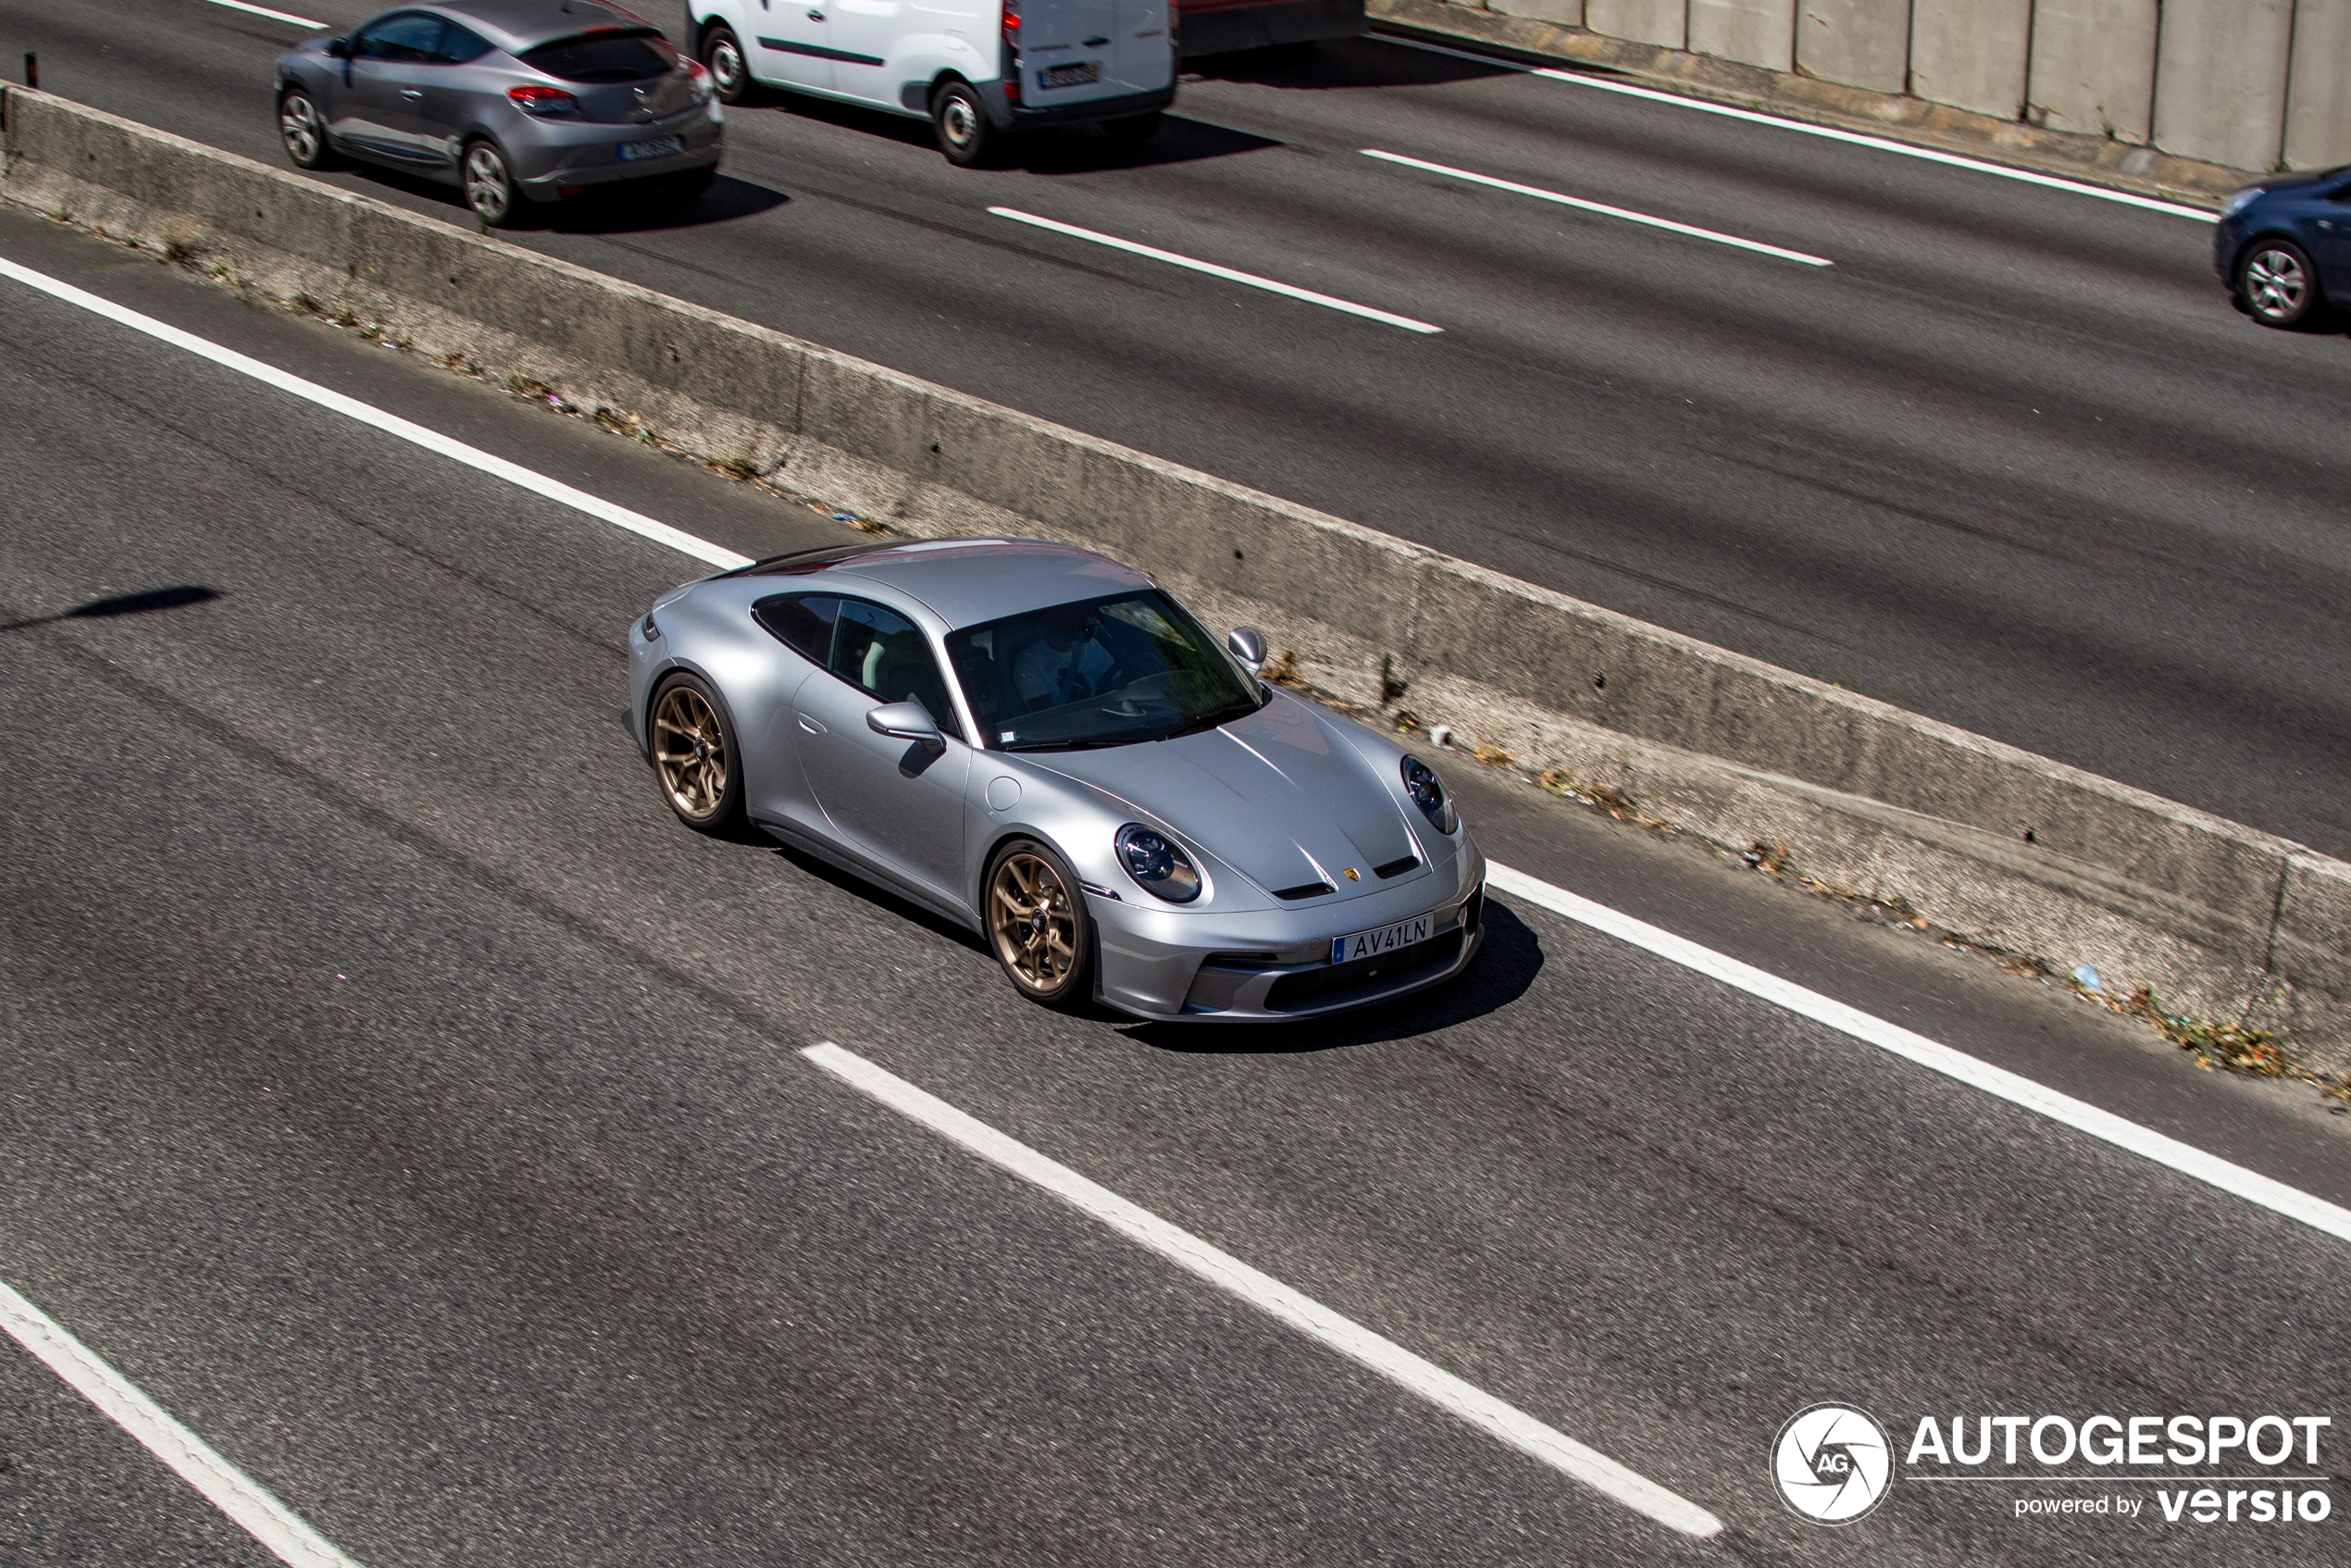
column 1074, row 50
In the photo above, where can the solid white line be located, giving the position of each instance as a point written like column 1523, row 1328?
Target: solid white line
column 224, row 1485
column 1310, row 1317
column 1830, row 132
column 391, row 424
column 1625, row 213
column 1230, row 276
column 266, row 11
column 2251, row 1185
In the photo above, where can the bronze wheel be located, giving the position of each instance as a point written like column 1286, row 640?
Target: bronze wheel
column 1037, row 923
column 693, row 748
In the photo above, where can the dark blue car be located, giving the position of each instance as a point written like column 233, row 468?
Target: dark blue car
column 2284, row 246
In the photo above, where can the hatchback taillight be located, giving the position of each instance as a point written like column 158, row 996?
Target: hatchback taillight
column 543, row 100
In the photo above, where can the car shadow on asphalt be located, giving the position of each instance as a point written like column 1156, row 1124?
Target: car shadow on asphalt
column 1080, row 149
column 1503, row 971
column 612, row 210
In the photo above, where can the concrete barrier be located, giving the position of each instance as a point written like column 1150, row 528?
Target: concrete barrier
column 2223, row 84
column 1972, row 54
column 1858, row 42
column 1754, row 33
column 1993, row 841
column 2094, row 67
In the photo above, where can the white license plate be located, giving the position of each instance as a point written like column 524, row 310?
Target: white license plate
column 631, row 150
column 1388, row 938
column 1070, row 76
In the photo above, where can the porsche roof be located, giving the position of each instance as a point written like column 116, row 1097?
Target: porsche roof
column 965, row 581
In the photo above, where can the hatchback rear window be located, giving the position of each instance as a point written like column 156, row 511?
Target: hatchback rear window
column 606, row 56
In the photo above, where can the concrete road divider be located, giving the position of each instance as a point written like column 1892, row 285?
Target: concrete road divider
column 2010, row 848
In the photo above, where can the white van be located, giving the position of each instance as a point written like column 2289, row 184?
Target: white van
column 980, row 70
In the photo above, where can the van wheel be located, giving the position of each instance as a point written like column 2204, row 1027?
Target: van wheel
column 966, row 135
column 1128, row 135
column 722, row 55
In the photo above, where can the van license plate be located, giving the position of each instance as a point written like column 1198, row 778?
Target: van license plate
column 1070, row 76
column 631, row 150
column 1388, row 938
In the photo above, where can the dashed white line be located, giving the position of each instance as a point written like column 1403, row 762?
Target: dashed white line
column 391, row 424
column 1270, row 1296
column 266, row 11
column 2145, row 1142
column 228, row 1488
column 2251, row 1185
column 1830, row 132
column 1228, row 274
column 1627, row 214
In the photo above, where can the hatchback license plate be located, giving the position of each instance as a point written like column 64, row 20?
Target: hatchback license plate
column 631, row 150
column 1388, row 938
column 1070, row 76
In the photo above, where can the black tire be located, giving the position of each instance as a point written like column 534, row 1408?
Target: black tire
column 303, row 131
column 1129, row 135
column 1028, row 895
column 696, row 761
column 2276, row 283
column 722, row 55
column 489, row 186
column 966, row 135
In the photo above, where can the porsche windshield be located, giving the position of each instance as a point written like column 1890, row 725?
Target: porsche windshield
column 1102, row 672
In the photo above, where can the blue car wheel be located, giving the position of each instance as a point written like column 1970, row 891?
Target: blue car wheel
column 2277, row 283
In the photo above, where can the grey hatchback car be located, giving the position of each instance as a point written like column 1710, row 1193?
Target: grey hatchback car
column 514, row 101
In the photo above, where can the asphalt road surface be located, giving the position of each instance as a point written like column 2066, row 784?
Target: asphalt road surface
column 2011, row 461
column 395, row 1093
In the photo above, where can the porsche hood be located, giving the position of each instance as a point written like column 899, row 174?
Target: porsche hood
column 1278, row 796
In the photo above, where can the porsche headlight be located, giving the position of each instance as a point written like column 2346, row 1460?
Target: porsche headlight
column 1428, row 793
column 1157, row 864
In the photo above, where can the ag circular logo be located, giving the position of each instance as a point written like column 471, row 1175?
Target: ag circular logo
column 1833, row 1464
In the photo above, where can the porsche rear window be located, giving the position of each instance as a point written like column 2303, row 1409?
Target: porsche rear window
column 607, row 57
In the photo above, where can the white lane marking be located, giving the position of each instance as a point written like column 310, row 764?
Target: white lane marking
column 1228, row 274
column 224, row 1485
column 391, row 424
column 266, row 11
column 1830, row 132
column 1627, row 214
column 1310, row 1317
column 2251, row 1185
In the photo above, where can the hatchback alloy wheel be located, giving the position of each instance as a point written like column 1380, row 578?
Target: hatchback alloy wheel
column 306, row 136
column 2275, row 283
column 489, row 190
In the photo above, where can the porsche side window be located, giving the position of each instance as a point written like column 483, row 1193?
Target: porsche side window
column 411, row 38
column 802, row 622
column 885, row 654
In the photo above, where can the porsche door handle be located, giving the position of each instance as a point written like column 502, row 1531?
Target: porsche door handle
column 810, row 725
column 815, row 16
column 411, row 92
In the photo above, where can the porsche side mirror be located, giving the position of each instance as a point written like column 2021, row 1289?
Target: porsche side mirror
column 1247, row 644
column 338, row 48
column 907, row 721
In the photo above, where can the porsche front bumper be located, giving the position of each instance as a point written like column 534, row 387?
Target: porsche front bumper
column 1275, row 965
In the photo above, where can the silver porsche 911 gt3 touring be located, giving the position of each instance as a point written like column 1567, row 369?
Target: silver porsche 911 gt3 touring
column 1041, row 744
